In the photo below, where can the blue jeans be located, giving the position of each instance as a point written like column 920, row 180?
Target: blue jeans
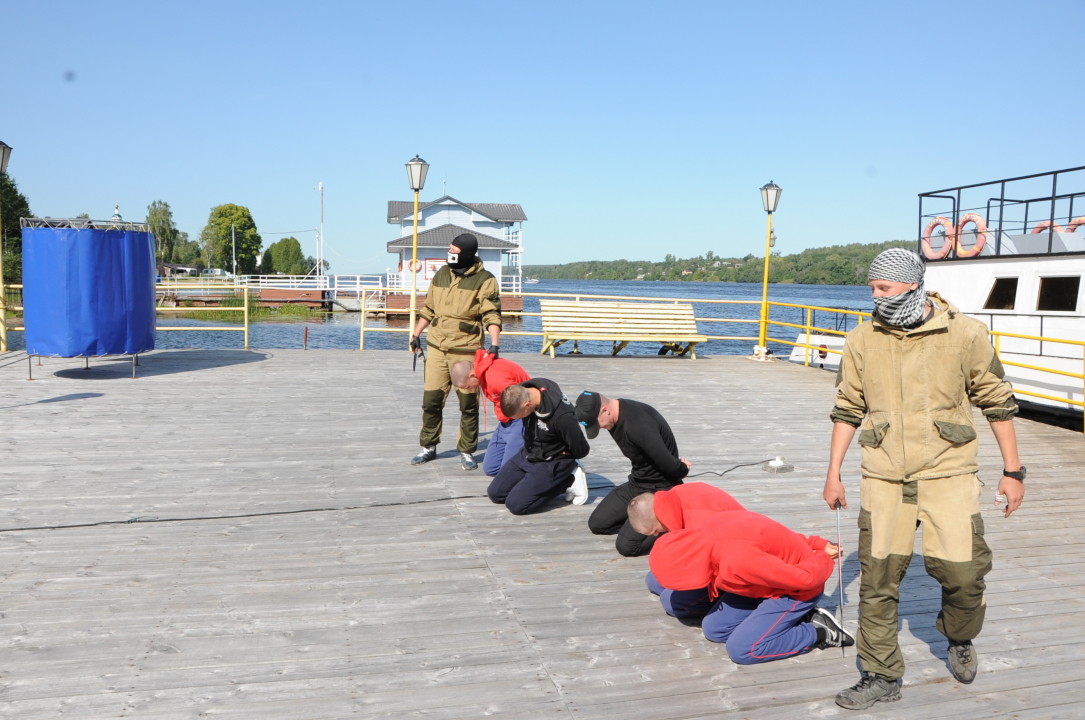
column 507, row 440
column 756, row 630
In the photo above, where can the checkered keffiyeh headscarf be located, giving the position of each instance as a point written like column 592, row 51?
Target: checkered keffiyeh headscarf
column 899, row 265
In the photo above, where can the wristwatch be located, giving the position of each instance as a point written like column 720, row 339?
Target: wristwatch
column 1019, row 475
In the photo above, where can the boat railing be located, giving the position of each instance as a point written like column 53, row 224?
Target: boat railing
column 997, row 338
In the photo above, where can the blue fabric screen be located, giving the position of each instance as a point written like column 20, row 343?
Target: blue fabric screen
column 88, row 292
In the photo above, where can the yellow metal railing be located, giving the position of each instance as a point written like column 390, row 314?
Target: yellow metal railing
column 998, row 335
column 245, row 309
column 809, row 326
column 243, row 329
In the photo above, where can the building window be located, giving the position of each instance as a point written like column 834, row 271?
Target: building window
column 1058, row 294
column 1003, row 294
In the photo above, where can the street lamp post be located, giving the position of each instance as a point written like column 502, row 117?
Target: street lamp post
column 5, row 153
column 770, row 197
column 416, row 173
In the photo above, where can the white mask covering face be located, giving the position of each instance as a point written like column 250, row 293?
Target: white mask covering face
column 453, row 258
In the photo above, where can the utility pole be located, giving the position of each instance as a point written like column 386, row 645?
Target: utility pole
column 233, row 243
column 321, row 259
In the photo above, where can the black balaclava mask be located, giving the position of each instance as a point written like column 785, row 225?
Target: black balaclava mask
column 468, row 254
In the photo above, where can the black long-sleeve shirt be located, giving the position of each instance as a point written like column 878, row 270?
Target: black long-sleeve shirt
column 646, row 439
column 552, row 431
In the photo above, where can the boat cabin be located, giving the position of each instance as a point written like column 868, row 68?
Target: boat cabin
column 1012, row 254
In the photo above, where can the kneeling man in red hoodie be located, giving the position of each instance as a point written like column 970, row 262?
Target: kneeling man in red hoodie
column 682, row 507
column 765, row 581
column 492, row 375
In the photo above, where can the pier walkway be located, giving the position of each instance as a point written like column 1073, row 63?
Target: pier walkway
column 446, row 608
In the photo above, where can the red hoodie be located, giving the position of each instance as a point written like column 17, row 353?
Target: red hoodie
column 691, row 505
column 743, row 553
column 496, row 375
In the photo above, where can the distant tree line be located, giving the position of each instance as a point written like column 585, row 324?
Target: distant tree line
column 214, row 248
column 836, row 265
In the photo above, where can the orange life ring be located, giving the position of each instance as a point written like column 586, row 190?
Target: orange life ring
column 928, row 251
column 400, row 266
column 981, row 235
column 1075, row 224
column 415, row 264
column 1044, row 225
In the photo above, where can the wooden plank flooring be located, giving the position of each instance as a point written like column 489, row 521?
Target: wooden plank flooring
column 447, row 609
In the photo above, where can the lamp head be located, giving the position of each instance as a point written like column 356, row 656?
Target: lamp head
column 416, row 173
column 770, row 196
column 5, row 153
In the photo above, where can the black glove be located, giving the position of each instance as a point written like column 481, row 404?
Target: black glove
column 494, row 350
column 416, row 343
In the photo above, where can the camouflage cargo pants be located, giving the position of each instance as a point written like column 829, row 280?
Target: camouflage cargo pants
column 954, row 553
column 438, row 385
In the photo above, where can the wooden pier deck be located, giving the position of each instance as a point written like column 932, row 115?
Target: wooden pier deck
column 453, row 608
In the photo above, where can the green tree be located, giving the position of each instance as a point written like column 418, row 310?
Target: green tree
column 267, row 264
column 160, row 218
column 287, row 257
column 215, row 241
column 13, row 205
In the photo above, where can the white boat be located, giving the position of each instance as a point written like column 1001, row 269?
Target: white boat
column 991, row 251
column 531, row 281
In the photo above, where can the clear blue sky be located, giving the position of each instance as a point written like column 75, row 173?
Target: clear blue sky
column 624, row 130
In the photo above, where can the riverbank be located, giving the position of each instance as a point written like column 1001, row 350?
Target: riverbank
column 835, row 265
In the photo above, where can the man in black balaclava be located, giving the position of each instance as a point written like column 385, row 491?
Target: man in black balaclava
column 462, row 300
column 463, row 253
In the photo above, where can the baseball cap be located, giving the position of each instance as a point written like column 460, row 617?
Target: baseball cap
column 587, row 412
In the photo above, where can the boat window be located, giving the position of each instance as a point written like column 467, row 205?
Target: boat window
column 1003, row 294
column 1058, row 294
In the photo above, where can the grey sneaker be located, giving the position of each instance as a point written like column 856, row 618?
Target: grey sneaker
column 835, row 634
column 467, row 462
column 866, row 692
column 427, row 454
column 963, row 662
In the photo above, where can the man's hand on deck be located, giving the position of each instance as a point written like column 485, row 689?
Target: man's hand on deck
column 1013, row 491
column 834, row 493
column 687, row 463
column 832, row 550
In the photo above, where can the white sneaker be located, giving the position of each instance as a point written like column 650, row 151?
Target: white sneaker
column 577, row 493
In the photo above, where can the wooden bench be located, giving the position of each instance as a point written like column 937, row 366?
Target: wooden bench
column 671, row 324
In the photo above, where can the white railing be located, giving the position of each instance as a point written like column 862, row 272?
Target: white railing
column 287, row 282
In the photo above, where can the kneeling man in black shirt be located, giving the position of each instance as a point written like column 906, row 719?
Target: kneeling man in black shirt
column 546, row 467
column 646, row 439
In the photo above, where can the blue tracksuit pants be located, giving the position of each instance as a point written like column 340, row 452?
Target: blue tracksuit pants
column 756, row 630
column 507, row 440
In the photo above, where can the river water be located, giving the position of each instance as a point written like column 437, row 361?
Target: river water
column 340, row 330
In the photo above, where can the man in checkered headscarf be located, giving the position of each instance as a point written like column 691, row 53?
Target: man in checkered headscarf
column 906, row 308
column 907, row 384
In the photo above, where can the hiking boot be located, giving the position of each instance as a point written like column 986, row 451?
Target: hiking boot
column 427, row 454
column 866, row 692
column 467, row 462
column 835, row 634
column 963, row 661
column 577, row 493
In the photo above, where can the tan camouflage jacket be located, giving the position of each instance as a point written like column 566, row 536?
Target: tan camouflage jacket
column 910, row 391
column 460, row 308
